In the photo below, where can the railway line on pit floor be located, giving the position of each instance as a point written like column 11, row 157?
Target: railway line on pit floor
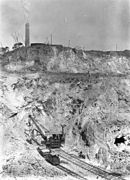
column 66, row 170
column 88, row 167
column 70, row 172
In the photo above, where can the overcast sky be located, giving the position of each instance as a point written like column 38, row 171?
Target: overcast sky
column 92, row 24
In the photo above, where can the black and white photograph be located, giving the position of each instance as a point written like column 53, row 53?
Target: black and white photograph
column 64, row 89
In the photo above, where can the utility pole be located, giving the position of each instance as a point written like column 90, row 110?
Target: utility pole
column 51, row 38
column 116, row 47
column 69, row 43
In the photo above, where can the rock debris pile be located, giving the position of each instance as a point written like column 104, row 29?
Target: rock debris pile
column 94, row 108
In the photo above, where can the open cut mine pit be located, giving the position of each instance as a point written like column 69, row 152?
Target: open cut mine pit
column 81, row 98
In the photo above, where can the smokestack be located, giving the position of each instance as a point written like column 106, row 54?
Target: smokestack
column 27, row 35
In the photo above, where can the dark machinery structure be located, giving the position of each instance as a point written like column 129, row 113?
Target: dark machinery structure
column 52, row 159
column 53, row 142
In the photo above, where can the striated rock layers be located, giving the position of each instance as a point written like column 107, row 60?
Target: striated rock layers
column 95, row 106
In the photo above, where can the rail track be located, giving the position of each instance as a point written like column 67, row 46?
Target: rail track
column 66, row 170
column 72, row 173
column 88, row 167
column 63, row 77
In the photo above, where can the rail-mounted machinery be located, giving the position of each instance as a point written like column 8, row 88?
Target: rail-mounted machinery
column 37, row 135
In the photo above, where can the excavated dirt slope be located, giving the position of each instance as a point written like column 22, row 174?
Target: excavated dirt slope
column 88, row 91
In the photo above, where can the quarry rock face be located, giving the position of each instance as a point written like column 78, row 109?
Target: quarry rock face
column 94, row 106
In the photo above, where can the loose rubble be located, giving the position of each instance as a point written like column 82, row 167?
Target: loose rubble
column 96, row 113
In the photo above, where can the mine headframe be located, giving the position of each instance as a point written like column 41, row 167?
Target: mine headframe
column 52, row 142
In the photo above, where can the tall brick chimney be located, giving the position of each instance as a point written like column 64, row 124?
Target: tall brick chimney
column 27, row 34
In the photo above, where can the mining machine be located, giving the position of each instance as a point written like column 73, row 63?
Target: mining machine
column 54, row 141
